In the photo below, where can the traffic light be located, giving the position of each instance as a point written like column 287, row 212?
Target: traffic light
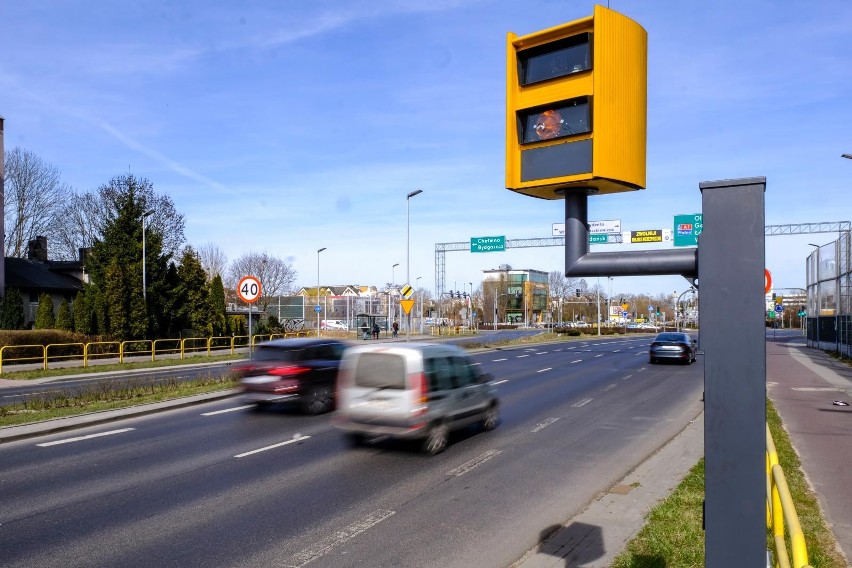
column 458, row 295
column 774, row 297
column 578, row 292
column 576, row 107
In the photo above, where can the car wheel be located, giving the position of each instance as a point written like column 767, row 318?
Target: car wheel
column 318, row 401
column 437, row 439
column 652, row 360
column 490, row 418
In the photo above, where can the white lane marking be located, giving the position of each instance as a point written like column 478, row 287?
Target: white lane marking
column 495, row 360
column 477, row 461
column 543, row 370
column 617, row 351
column 577, row 361
column 815, row 389
column 339, row 537
column 542, row 425
column 560, row 349
column 521, row 356
column 627, row 377
column 272, row 447
column 583, row 402
column 610, row 387
column 228, row 410
column 77, row 439
column 601, row 355
column 500, row 382
column 475, row 364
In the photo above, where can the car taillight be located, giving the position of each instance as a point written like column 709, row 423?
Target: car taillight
column 419, row 388
column 288, row 371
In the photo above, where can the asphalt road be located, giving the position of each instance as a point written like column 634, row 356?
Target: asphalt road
column 224, row 485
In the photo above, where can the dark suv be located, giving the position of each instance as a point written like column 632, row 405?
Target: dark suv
column 303, row 371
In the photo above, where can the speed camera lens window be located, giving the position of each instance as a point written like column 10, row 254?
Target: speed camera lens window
column 569, row 119
column 558, row 59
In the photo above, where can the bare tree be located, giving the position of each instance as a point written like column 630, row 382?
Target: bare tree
column 276, row 276
column 213, row 259
column 85, row 215
column 79, row 225
column 562, row 287
column 34, row 195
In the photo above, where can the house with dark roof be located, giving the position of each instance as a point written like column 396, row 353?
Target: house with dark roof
column 35, row 275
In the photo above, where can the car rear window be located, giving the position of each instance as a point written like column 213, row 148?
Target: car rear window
column 670, row 337
column 380, row 371
column 278, row 354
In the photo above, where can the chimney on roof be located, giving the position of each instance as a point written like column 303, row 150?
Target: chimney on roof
column 37, row 249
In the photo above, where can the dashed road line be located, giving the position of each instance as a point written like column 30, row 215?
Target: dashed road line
column 577, row 361
column 545, row 369
column 542, row 425
column 273, row 446
column 339, row 537
column 495, row 360
column 500, row 382
column 475, row 462
column 215, row 412
column 608, row 387
column 583, row 402
column 79, row 438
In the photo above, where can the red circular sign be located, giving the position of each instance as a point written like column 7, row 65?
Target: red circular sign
column 249, row 289
column 767, row 281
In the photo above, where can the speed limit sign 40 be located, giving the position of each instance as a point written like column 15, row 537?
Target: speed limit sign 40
column 249, row 289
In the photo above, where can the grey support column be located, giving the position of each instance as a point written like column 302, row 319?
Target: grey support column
column 730, row 276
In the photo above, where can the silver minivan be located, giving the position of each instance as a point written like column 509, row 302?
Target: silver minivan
column 417, row 391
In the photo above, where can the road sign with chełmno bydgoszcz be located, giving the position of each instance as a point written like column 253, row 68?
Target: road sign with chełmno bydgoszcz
column 687, row 228
column 488, row 244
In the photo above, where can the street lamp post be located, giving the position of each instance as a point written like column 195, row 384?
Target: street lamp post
column 145, row 215
column 420, row 293
column 391, row 309
column 408, row 251
column 318, row 291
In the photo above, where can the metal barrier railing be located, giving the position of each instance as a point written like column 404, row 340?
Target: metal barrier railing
column 781, row 510
column 121, row 350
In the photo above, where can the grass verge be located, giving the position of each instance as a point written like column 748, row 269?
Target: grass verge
column 673, row 538
column 111, row 367
column 107, row 395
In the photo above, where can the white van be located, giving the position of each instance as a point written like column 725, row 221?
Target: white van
column 417, row 391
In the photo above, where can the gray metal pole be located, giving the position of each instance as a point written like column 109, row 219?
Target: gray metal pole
column 731, row 285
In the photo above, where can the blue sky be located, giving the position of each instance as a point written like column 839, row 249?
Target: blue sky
column 286, row 126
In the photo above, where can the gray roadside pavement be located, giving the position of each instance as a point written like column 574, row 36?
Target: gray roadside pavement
column 805, row 386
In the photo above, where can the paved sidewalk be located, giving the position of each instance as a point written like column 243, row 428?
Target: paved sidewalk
column 803, row 384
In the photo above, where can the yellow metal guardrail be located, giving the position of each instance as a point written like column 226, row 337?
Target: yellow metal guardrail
column 121, row 350
column 780, row 510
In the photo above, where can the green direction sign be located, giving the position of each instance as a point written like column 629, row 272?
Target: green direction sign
column 770, row 314
column 487, row 244
column 604, row 238
column 687, row 228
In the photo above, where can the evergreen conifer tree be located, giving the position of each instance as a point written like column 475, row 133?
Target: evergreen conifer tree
column 45, row 316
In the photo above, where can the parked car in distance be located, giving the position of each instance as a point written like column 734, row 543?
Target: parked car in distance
column 649, row 326
column 303, row 371
column 675, row 346
column 413, row 391
column 334, row 325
